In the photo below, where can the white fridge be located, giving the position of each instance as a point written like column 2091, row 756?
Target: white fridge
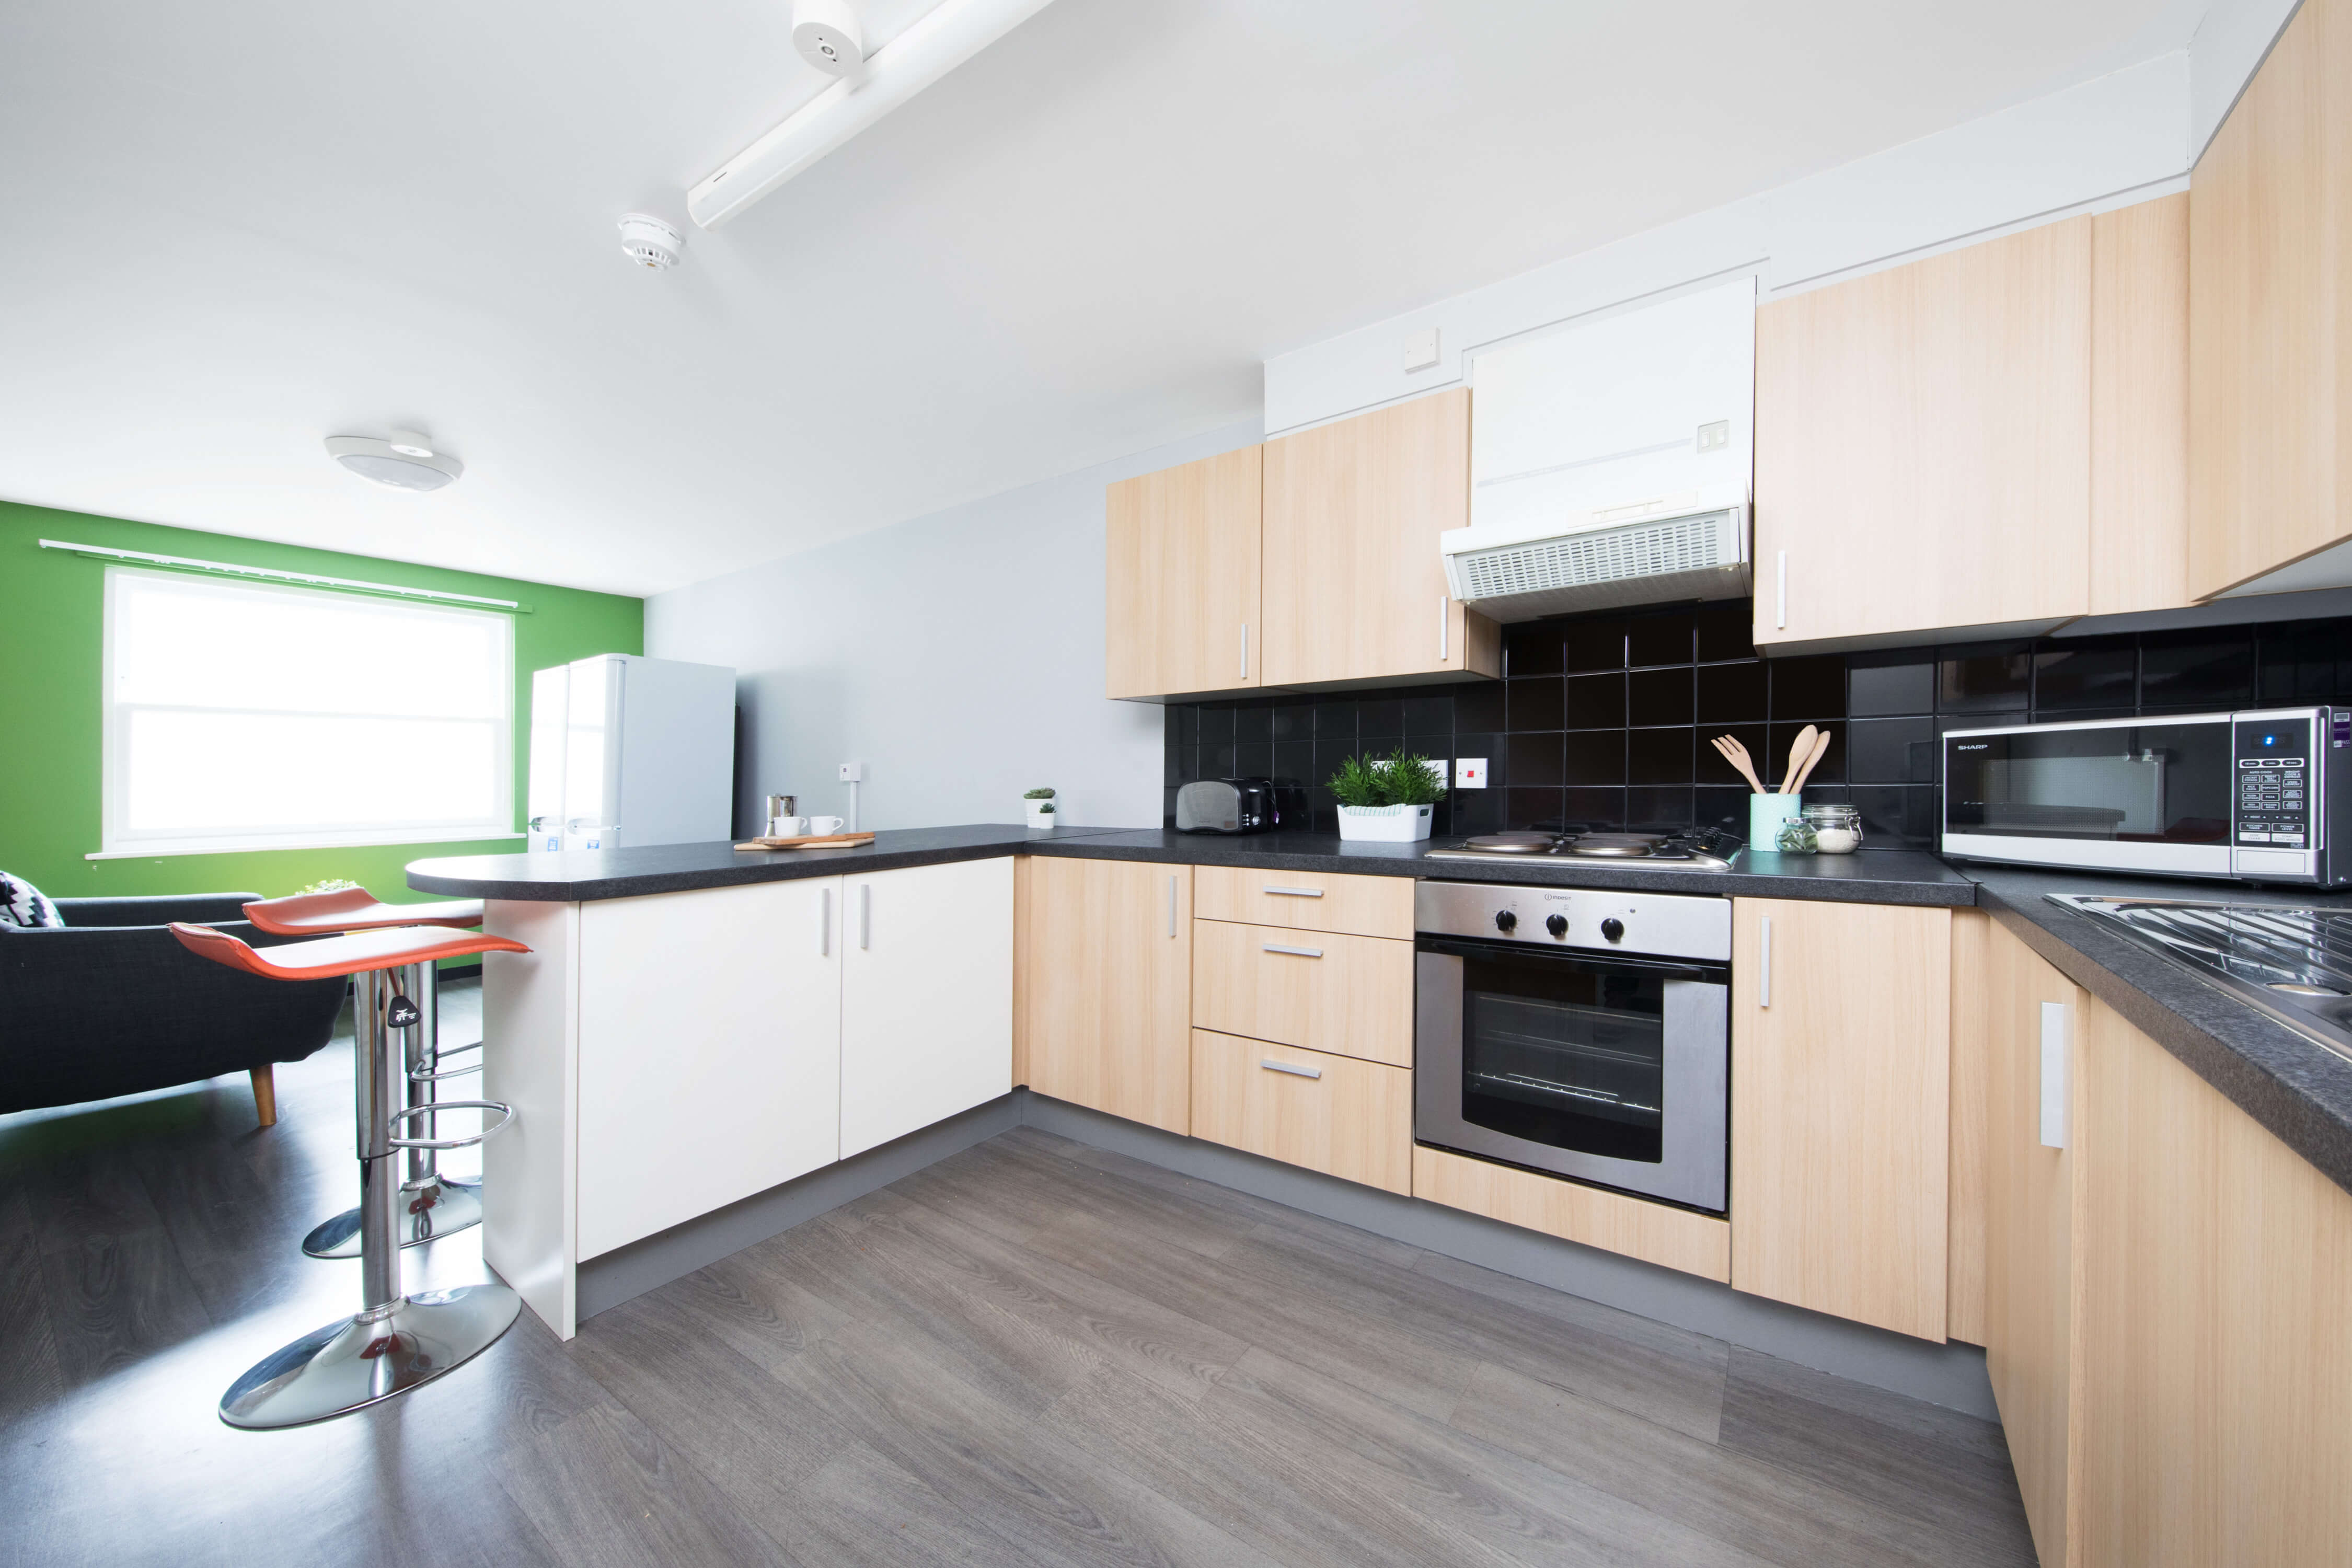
column 630, row 751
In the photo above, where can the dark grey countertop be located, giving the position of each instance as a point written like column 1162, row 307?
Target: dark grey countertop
column 2296, row 1087
column 1872, row 876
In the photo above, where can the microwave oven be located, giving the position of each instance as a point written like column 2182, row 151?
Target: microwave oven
column 2255, row 796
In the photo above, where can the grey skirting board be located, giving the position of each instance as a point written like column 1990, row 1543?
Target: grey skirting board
column 1949, row 1374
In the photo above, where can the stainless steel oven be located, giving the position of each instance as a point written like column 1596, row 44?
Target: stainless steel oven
column 1576, row 1031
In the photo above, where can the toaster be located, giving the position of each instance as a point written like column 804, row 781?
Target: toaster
column 1238, row 805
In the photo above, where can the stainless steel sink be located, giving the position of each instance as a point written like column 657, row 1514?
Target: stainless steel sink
column 2295, row 964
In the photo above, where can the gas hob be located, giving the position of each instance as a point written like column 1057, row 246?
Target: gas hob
column 1686, row 850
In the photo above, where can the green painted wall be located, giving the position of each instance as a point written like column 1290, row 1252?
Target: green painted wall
column 52, row 616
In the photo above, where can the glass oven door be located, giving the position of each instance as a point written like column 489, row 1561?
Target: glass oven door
column 1614, row 1070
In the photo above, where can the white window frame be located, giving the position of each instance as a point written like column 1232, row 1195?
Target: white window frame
column 119, row 843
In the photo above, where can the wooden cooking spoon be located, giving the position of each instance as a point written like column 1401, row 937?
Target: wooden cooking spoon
column 1820, row 749
column 1798, row 752
column 1737, row 755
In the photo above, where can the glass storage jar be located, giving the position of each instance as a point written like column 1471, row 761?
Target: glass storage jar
column 1836, row 827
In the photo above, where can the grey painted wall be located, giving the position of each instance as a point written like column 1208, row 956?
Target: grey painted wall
column 959, row 656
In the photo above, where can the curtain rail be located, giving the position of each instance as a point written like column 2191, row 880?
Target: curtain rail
column 299, row 579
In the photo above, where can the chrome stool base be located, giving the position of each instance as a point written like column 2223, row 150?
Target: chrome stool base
column 440, row 1206
column 355, row 1361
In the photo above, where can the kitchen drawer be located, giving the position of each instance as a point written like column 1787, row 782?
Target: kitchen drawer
column 1348, row 994
column 1342, row 1117
column 1304, row 900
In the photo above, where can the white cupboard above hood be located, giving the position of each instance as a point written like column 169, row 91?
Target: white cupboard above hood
column 1610, row 462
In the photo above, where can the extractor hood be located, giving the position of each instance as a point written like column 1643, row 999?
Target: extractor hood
column 1611, row 460
column 1691, row 545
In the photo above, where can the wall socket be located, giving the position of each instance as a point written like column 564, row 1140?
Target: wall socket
column 853, row 772
column 1420, row 350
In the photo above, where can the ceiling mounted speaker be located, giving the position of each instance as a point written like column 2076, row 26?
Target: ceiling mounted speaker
column 829, row 36
column 405, row 462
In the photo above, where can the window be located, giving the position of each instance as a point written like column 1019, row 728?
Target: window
column 244, row 716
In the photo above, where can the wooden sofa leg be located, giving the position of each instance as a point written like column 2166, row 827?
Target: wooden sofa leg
column 265, row 1095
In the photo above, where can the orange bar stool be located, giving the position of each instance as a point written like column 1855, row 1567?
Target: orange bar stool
column 394, row 1342
column 432, row 1204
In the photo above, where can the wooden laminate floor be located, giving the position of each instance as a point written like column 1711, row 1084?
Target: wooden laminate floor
column 1034, row 1352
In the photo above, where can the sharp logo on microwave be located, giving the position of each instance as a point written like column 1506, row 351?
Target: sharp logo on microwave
column 1976, row 746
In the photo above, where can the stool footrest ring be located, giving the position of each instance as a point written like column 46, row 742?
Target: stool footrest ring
column 426, row 1074
column 506, row 1114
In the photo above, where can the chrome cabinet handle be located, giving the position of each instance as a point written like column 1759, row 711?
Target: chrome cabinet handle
column 1782, row 622
column 2053, row 1075
column 1294, row 892
column 824, row 924
column 1442, row 618
column 1245, row 650
column 1270, row 1065
column 1294, row 952
column 1171, row 909
column 1764, row 961
column 864, row 914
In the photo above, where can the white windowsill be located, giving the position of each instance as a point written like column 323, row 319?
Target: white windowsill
column 160, row 852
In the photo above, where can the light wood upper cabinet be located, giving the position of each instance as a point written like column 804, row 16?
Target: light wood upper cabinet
column 1181, row 606
column 2139, row 407
column 1354, row 588
column 2270, row 344
column 1923, row 446
column 1841, row 1108
column 1106, row 986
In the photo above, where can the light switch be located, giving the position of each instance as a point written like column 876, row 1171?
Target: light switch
column 1469, row 773
column 1715, row 437
column 1420, row 350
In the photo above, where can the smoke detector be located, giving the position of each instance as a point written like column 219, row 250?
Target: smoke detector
column 405, row 462
column 828, row 36
column 649, row 242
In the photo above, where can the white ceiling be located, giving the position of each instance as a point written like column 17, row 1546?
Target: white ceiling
column 242, row 227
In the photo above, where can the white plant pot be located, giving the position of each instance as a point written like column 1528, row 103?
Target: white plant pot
column 1384, row 823
column 1040, row 813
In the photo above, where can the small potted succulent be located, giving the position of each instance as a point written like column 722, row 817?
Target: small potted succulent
column 1039, row 804
column 1388, row 800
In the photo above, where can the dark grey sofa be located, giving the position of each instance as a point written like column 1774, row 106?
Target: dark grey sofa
column 111, row 1003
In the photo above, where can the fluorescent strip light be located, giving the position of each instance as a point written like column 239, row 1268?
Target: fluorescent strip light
column 301, row 579
column 945, row 38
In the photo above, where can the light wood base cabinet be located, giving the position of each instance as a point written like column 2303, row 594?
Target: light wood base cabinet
column 1106, row 987
column 2030, row 1292
column 1342, row 1117
column 1348, row 994
column 1655, row 1232
column 2169, row 1300
column 1841, row 1089
column 1306, row 900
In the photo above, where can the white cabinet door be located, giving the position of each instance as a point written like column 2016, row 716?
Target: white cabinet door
column 925, row 997
column 709, row 1052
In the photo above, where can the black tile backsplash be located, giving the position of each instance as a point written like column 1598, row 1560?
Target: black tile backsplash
column 1605, row 720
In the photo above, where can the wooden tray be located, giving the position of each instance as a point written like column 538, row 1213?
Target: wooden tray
column 812, row 841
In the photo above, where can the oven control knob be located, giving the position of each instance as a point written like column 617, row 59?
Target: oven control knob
column 1557, row 925
column 1614, row 928
column 1506, row 921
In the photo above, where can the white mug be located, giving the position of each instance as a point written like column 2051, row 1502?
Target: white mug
column 787, row 827
column 819, row 826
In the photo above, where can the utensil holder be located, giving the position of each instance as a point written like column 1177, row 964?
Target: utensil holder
column 1766, row 813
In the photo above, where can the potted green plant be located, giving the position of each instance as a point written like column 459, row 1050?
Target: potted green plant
column 1388, row 800
column 1039, row 805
